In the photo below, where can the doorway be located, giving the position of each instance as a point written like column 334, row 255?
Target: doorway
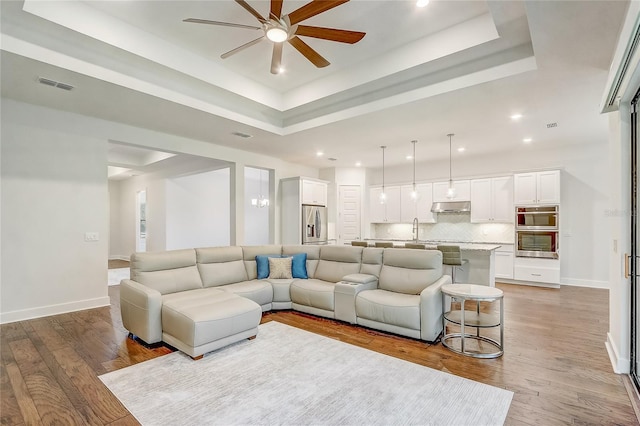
column 348, row 213
column 141, row 220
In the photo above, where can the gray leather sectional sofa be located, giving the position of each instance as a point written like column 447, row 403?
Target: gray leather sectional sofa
column 199, row 300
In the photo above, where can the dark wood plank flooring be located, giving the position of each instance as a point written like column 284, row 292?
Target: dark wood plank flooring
column 555, row 360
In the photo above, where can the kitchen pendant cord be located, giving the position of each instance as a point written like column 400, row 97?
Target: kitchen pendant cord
column 450, row 180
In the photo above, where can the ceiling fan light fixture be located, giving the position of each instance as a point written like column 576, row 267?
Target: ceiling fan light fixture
column 277, row 34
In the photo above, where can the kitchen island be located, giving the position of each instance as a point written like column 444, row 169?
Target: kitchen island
column 480, row 268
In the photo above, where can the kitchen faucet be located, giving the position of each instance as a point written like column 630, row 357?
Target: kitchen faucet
column 415, row 229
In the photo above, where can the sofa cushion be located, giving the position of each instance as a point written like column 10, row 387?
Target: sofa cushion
column 200, row 317
column 371, row 261
column 313, row 254
column 281, row 290
column 402, row 310
column 249, row 254
column 337, row 261
column 221, row 265
column 167, row 272
column 259, row 291
column 313, row 292
column 409, row 271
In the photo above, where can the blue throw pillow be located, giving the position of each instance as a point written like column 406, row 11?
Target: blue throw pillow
column 299, row 266
column 262, row 262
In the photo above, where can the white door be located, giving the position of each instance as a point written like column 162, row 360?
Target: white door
column 348, row 213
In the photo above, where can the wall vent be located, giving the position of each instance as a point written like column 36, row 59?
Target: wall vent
column 241, row 135
column 53, row 83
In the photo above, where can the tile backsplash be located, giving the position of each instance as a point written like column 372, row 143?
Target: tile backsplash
column 450, row 227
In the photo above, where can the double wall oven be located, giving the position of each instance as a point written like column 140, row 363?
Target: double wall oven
column 537, row 232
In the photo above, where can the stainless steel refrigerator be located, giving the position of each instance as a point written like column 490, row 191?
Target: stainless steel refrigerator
column 314, row 225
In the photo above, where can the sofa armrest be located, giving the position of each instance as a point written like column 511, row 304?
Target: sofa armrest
column 431, row 309
column 141, row 310
column 360, row 279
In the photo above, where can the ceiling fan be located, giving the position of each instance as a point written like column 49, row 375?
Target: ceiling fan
column 280, row 29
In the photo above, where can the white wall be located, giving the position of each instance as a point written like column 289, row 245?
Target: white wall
column 114, row 219
column 256, row 224
column 54, row 189
column 197, row 210
column 585, row 192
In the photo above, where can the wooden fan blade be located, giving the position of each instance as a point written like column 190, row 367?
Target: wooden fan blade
column 342, row 36
column 276, row 9
column 308, row 52
column 244, row 46
column 251, row 10
column 312, row 9
column 224, row 24
column 276, row 59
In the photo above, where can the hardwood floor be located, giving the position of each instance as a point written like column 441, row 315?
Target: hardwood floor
column 555, row 361
column 117, row 263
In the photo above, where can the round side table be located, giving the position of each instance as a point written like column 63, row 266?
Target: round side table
column 474, row 319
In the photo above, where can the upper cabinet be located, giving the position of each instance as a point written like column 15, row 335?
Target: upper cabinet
column 462, row 188
column 387, row 212
column 421, row 207
column 492, row 200
column 537, row 188
column 314, row 192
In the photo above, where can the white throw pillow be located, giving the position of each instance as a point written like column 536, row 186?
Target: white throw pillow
column 280, row 267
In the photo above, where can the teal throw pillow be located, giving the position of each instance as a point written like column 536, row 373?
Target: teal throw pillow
column 299, row 266
column 262, row 262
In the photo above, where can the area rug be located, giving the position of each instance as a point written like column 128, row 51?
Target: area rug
column 117, row 275
column 290, row 376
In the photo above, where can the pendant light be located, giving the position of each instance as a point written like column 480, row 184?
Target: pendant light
column 451, row 192
column 261, row 201
column 414, row 192
column 383, row 195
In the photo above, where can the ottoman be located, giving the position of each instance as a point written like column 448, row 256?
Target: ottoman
column 201, row 321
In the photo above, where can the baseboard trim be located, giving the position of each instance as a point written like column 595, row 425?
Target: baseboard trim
column 620, row 365
column 118, row 257
column 45, row 311
column 584, row 283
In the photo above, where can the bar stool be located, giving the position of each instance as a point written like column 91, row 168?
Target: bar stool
column 451, row 256
column 360, row 243
column 384, row 244
column 415, row 246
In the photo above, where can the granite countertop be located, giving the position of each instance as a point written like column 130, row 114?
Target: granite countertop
column 464, row 245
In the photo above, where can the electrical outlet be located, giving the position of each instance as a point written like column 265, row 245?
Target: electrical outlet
column 91, row 236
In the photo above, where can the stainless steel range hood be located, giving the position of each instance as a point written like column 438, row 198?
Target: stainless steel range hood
column 451, row 207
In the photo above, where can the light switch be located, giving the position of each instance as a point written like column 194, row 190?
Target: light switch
column 91, row 236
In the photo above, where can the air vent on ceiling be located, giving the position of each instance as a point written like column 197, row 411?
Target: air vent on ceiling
column 550, row 125
column 242, row 135
column 53, row 83
column 331, row 159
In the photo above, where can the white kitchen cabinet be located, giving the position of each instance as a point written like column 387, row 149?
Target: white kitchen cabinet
column 504, row 262
column 420, row 208
column 492, row 200
column 537, row 270
column 537, row 187
column 462, row 188
column 314, row 192
column 389, row 212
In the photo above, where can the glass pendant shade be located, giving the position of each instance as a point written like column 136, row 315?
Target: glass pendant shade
column 261, row 201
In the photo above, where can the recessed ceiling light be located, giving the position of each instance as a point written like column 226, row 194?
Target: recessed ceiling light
column 422, row 3
column 319, row 154
column 358, row 164
column 527, row 140
column 409, row 157
column 516, row 116
column 461, row 149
